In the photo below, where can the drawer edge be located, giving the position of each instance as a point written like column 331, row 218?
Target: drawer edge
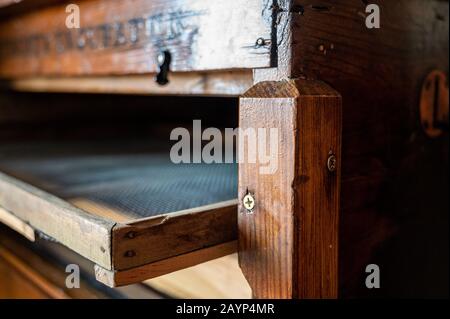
column 163, row 267
column 80, row 231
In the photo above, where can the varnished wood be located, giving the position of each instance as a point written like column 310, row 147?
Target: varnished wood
column 138, row 274
column 125, row 37
column 288, row 247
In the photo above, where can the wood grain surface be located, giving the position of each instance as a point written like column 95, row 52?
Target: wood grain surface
column 288, row 247
column 394, row 194
column 163, row 267
column 17, row 224
column 226, row 83
column 215, row 279
column 26, row 273
column 152, row 239
column 125, row 37
column 84, row 233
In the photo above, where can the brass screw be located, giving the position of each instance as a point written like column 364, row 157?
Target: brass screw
column 332, row 163
column 249, row 202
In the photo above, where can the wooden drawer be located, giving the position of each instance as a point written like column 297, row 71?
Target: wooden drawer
column 125, row 37
column 124, row 206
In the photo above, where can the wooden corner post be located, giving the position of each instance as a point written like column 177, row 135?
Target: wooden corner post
column 288, row 216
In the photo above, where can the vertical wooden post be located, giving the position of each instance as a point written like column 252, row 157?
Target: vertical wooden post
column 288, row 244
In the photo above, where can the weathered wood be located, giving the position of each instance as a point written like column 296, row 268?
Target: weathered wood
column 232, row 83
column 135, row 244
column 125, row 37
column 138, row 274
column 282, row 52
column 80, row 231
column 133, row 196
column 16, row 224
column 288, row 247
column 137, row 181
column 152, row 239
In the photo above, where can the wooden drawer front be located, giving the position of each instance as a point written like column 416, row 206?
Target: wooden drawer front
column 125, row 37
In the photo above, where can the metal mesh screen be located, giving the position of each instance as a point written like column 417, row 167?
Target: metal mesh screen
column 134, row 180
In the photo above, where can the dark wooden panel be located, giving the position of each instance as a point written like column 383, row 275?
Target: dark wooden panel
column 125, row 37
column 393, row 175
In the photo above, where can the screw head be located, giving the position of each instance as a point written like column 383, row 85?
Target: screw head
column 332, row 163
column 131, row 234
column 130, row 253
column 249, row 202
column 260, row 42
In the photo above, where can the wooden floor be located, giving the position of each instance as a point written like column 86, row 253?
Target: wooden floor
column 122, row 180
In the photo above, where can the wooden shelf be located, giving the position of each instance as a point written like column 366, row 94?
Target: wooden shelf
column 123, row 205
column 225, row 83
